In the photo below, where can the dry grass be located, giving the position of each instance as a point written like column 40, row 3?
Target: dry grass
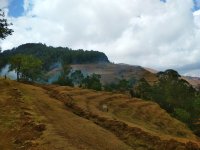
column 145, row 115
column 49, row 125
column 110, row 72
column 38, row 118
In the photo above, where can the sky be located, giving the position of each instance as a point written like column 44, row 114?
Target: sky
column 158, row 34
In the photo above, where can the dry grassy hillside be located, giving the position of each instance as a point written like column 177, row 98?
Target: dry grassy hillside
column 110, row 72
column 194, row 81
column 53, row 117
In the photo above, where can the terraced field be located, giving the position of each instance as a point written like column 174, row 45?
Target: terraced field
column 41, row 117
column 140, row 124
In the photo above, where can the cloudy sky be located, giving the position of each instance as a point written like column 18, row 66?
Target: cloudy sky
column 159, row 34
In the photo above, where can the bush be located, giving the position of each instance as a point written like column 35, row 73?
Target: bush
column 182, row 115
column 93, row 82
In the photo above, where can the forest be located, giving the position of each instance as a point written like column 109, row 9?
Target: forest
column 50, row 55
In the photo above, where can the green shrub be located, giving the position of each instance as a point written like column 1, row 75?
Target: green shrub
column 182, row 115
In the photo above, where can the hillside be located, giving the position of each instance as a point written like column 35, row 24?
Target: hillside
column 87, row 61
column 53, row 56
column 194, row 81
column 109, row 72
column 55, row 117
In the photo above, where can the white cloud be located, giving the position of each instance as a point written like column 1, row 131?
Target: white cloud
column 28, row 5
column 4, row 3
column 149, row 32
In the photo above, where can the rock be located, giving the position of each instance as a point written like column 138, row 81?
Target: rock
column 40, row 127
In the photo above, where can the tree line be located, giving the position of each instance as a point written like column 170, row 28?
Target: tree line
column 29, row 68
column 50, row 55
column 173, row 94
column 69, row 77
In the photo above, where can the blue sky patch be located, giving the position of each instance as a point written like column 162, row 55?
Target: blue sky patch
column 196, row 5
column 16, row 8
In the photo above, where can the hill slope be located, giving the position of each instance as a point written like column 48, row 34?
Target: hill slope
column 110, row 73
column 52, row 56
column 54, row 117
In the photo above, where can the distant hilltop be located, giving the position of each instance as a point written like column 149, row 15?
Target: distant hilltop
column 51, row 55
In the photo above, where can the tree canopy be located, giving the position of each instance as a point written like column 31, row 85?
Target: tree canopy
column 27, row 67
column 4, row 26
column 93, row 82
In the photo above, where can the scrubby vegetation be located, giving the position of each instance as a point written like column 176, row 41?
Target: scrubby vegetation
column 69, row 77
column 121, row 85
column 93, row 82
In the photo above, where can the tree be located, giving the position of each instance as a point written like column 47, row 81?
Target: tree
column 111, row 87
column 77, row 77
column 124, row 85
column 27, row 67
column 93, row 82
column 31, row 68
column 143, row 89
column 182, row 115
column 64, row 78
column 16, row 64
column 4, row 30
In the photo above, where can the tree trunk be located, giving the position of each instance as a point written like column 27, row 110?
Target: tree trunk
column 17, row 75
